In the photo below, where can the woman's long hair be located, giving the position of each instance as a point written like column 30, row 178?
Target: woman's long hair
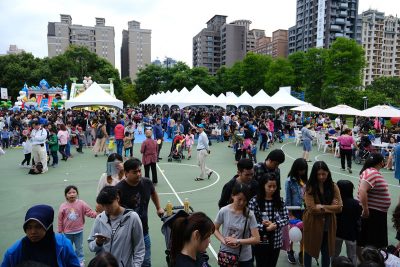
column 183, row 228
column 298, row 165
column 312, row 187
column 372, row 160
column 261, row 194
column 396, row 218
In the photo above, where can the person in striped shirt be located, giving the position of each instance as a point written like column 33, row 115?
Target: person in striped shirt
column 373, row 194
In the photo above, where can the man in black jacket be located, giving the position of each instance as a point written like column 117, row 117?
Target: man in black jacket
column 270, row 165
column 244, row 175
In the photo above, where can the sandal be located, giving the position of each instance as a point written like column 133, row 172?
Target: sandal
column 198, row 179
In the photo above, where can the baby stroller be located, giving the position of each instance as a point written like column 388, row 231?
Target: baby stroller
column 365, row 150
column 166, row 229
column 278, row 136
column 361, row 155
column 178, row 144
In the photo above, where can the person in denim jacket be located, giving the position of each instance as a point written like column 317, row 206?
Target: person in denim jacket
column 294, row 188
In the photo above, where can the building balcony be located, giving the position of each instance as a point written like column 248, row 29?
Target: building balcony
column 342, row 13
column 343, row 6
column 340, row 21
column 339, row 34
column 336, row 28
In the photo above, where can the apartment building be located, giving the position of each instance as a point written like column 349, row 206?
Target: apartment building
column 275, row 46
column 380, row 39
column 320, row 22
column 222, row 43
column 135, row 49
column 98, row 39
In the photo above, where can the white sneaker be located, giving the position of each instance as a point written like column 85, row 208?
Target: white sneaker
column 28, row 166
column 21, row 166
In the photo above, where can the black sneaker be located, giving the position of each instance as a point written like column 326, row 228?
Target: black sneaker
column 301, row 255
column 290, row 257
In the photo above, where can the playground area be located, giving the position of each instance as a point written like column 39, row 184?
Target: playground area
column 176, row 182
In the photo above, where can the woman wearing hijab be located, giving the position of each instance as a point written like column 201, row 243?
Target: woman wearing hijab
column 41, row 244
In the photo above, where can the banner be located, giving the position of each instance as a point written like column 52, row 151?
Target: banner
column 4, row 93
column 321, row 23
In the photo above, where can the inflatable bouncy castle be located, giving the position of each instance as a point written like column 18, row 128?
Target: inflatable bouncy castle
column 42, row 97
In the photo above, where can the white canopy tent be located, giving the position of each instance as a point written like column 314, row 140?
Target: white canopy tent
column 94, row 96
column 260, row 99
column 231, row 99
column 283, row 98
column 307, row 108
column 244, row 99
column 343, row 110
column 196, row 97
column 383, row 111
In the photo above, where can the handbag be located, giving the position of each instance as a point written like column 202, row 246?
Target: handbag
column 229, row 259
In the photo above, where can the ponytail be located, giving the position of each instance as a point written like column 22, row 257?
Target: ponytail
column 372, row 160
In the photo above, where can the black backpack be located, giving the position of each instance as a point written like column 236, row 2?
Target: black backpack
column 99, row 132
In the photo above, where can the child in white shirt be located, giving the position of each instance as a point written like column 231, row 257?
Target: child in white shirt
column 27, row 148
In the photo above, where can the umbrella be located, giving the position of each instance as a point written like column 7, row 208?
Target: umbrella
column 307, row 108
column 343, row 110
column 384, row 111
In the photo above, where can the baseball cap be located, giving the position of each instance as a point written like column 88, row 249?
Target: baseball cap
column 200, row 125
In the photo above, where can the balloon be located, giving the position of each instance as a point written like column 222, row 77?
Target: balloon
column 295, row 234
column 394, row 121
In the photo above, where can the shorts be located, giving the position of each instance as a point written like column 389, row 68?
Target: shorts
column 307, row 145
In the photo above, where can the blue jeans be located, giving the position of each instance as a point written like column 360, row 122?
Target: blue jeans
column 77, row 241
column 147, row 255
column 68, row 149
column 54, row 155
column 120, row 145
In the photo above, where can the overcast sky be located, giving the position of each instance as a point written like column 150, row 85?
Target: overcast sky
column 173, row 22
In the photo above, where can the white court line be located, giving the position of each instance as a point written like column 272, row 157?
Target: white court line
column 340, row 173
column 193, row 190
column 181, row 202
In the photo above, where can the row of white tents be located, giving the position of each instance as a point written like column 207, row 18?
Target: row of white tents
column 197, row 97
column 282, row 98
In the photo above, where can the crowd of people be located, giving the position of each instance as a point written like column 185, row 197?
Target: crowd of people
column 254, row 219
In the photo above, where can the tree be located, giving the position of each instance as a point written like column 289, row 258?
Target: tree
column 149, row 81
column 280, row 73
column 389, row 86
column 297, row 61
column 201, row 77
column 129, row 96
column 314, row 69
column 15, row 70
column 344, row 64
column 253, row 70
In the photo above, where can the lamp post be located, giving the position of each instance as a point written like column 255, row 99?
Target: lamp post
column 365, row 102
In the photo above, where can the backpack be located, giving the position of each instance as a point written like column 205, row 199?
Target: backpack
column 99, row 132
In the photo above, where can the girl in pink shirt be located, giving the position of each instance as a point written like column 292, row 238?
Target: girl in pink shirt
column 71, row 219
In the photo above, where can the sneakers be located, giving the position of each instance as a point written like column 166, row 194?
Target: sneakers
column 342, row 169
column 290, row 257
column 350, row 171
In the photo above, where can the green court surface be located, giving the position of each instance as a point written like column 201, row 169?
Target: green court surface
column 19, row 190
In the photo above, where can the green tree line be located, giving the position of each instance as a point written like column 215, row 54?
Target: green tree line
column 326, row 76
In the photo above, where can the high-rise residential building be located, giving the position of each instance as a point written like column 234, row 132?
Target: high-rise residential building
column 13, row 49
column 135, row 49
column 223, row 44
column 207, row 45
column 381, row 42
column 320, row 22
column 277, row 46
column 168, row 62
column 98, row 39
